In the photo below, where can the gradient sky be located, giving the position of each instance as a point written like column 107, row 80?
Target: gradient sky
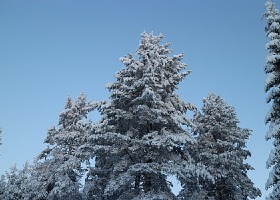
column 50, row 50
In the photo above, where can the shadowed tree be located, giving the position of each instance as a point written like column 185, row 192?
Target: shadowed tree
column 272, row 88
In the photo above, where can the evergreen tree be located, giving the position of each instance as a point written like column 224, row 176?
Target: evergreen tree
column 2, row 186
column 16, row 184
column 13, row 185
column 222, row 148
column 142, row 138
column 272, row 87
column 59, row 167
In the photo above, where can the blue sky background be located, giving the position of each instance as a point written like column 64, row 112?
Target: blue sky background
column 50, row 50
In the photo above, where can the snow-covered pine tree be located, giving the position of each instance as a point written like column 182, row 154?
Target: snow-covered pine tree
column 142, row 136
column 2, row 186
column 59, row 168
column 222, row 148
column 272, row 88
column 15, row 184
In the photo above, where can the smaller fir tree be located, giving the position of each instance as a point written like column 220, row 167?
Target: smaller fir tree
column 2, row 186
column 59, row 167
column 16, row 184
column 222, row 148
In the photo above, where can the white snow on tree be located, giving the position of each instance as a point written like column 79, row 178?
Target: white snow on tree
column 59, row 168
column 272, row 87
column 222, row 148
column 141, row 138
column 17, row 184
column 2, row 186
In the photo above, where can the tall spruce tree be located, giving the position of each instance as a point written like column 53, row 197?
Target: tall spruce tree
column 142, row 136
column 222, row 148
column 272, row 88
column 59, row 167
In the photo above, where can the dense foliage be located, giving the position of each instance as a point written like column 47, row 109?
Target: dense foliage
column 222, row 148
column 141, row 132
column 272, row 87
column 142, row 138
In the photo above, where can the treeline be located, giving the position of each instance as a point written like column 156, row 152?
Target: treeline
column 143, row 137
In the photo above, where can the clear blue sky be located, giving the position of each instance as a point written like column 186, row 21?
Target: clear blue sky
column 54, row 49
